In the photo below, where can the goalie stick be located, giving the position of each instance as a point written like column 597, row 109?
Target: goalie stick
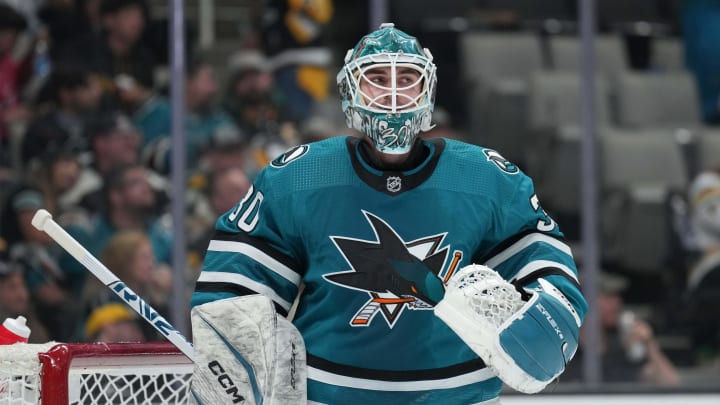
column 211, row 381
column 43, row 221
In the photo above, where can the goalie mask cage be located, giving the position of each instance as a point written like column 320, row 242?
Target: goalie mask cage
column 94, row 373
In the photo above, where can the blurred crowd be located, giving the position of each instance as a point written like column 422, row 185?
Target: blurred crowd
column 85, row 133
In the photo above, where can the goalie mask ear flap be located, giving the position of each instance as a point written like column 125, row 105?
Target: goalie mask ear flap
column 246, row 353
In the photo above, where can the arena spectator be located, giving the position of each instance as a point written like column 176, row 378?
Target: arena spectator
column 256, row 105
column 226, row 147
column 70, row 95
column 630, row 351
column 90, row 15
column 225, row 187
column 62, row 22
column 294, row 35
column 703, row 281
column 223, row 166
column 117, row 50
column 130, row 204
column 15, row 71
column 114, row 142
column 203, row 118
column 250, row 96
column 129, row 254
column 15, row 300
column 51, row 285
column 113, row 323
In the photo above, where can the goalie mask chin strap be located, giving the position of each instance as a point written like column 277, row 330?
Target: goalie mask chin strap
column 418, row 153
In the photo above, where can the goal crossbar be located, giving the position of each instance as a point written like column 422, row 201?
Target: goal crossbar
column 87, row 373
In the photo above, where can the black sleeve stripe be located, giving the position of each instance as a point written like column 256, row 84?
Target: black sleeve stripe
column 238, row 290
column 544, row 272
column 262, row 245
column 392, row 375
column 500, row 247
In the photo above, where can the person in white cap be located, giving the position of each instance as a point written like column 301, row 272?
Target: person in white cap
column 703, row 282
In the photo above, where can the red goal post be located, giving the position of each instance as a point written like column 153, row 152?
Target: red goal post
column 72, row 373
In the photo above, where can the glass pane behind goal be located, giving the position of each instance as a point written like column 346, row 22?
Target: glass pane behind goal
column 118, row 373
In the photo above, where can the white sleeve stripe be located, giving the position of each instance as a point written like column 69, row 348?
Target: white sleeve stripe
column 380, row 385
column 542, row 264
column 555, row 293
column 257, row 255
column 525, row 242
column 239, row 279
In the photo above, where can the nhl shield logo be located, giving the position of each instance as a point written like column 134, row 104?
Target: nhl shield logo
column 394, row 184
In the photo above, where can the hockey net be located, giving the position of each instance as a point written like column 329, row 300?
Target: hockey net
column 97, row 373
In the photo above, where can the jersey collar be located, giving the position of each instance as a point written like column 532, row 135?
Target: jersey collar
column 393, row 182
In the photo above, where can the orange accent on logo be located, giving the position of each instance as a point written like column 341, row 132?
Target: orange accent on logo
column 357, row 321
column 453, row 265
column 393, row 300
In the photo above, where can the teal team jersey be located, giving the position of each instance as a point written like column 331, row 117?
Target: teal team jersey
column 374, row 251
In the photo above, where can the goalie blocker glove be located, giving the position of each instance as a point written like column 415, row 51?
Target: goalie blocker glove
column 528, row 344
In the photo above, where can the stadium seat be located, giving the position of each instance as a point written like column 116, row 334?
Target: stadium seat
column 709, row 149
column 657, row 100
column 495, row 68
column 490, row 56
column 610, row 59
column 554, row 136
column 638, row 170
column 555, row 99
column 667, row 54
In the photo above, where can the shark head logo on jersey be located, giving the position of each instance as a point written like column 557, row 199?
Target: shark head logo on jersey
column 391, row 109
column 394, row 274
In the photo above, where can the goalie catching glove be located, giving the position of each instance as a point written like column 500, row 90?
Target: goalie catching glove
column 528, row 343
column 245, row 353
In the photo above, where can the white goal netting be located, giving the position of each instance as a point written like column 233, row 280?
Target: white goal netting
column 118, row 373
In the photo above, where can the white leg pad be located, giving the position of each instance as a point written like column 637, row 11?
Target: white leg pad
column 247, row 354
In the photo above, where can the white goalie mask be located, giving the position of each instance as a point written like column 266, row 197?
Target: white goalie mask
column 704, row 196
column 387, row 87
